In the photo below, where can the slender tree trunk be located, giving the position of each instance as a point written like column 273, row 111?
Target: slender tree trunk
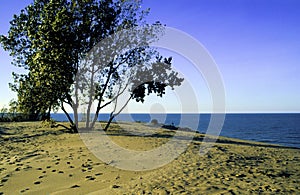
column 76, row 118
column 48, row 114
column 111, row 70
column 112, row 116
column 91, row 97
column 73, row 126
column 75, row 104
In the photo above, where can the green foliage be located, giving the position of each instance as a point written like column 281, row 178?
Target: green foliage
column 53, row 40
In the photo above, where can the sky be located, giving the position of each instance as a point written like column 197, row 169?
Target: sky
column 255, row 44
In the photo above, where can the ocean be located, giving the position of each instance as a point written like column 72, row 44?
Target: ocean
column 282, row 129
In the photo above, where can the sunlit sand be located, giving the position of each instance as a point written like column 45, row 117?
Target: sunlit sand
column 39, row 160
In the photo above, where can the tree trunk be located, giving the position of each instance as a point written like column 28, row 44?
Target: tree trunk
column 47, row 115
column 112, row 115
column 91, row 98
column 76, row 116
column 109, row 121
column 101, row 96
column 73, row 126
column 74, row 129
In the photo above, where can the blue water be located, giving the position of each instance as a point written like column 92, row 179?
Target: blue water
column 283, row 129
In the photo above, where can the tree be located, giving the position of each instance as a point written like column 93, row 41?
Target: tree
column 56, row 42
column 36, row 43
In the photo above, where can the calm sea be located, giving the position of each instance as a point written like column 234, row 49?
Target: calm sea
column 283, row 129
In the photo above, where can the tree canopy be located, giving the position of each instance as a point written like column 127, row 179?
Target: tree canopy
column 57, row 43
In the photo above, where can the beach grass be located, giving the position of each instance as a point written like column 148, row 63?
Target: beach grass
column 40, row 160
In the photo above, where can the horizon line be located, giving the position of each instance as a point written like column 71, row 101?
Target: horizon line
column 297, row 112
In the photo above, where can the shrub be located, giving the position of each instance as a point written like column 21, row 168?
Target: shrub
column 154, row 122
column 49, row 123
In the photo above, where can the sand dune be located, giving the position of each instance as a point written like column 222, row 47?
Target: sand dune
column 39, row 160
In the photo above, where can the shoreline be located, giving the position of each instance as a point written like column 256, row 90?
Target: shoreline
column 271, row 128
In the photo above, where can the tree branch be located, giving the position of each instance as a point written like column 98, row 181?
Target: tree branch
column 118, row 94
column 101, row 95
column 112, row 116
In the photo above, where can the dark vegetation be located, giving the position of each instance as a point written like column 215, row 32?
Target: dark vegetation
column 7, row 117
column 170, row 127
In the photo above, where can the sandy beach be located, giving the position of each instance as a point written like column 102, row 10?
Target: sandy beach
column 41, row 160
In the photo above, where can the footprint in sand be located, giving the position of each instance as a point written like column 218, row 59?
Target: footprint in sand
column 4, row 180
column 115, row 186
column 27, row 167
column 22, row 191
column 89, row 177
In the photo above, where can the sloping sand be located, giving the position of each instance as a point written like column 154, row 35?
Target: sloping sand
column 38, row 160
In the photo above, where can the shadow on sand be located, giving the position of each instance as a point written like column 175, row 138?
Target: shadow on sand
column 168, row 134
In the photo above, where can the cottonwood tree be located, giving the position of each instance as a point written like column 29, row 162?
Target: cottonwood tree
column 55, row 41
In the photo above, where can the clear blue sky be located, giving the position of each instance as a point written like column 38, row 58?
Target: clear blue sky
column 256, row 45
